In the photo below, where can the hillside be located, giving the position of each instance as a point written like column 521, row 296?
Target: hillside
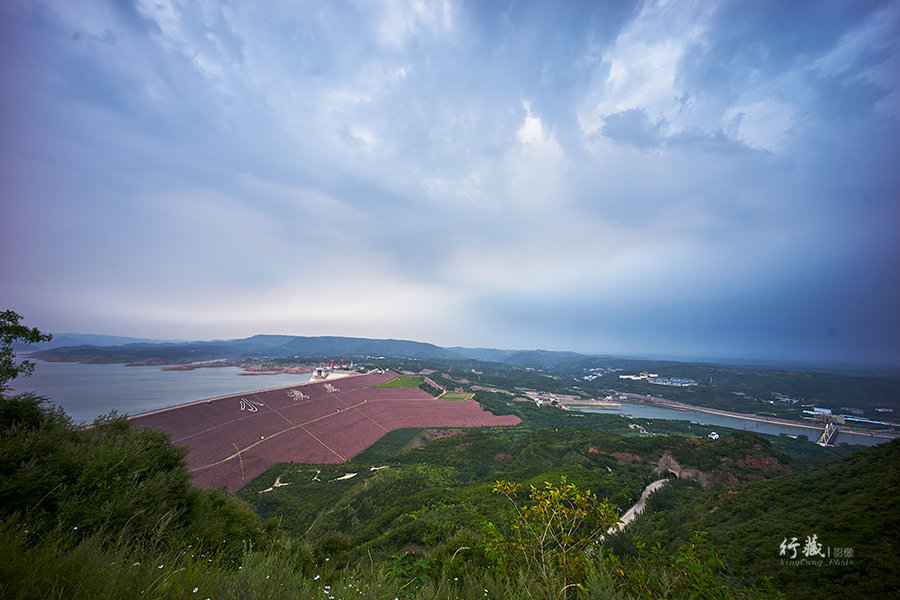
column 109, row 511
column 850, row 505
column 420, row 519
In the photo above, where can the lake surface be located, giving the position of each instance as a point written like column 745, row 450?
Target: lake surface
column 658, row 412
column 88, row 391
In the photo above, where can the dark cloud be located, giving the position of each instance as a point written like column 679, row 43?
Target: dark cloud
column 764, row 39
column 603, row 176
column 634, row 128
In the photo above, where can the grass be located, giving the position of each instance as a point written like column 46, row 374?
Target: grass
column 404, row 381
column 458, row 396
column 388, row 446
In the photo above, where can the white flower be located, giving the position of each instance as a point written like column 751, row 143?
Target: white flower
column 195, row 589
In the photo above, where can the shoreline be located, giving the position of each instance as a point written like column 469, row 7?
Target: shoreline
column 333, row 376
column 675, row 405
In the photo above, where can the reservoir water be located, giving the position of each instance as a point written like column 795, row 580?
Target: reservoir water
column 88, row 391
column 658, row 412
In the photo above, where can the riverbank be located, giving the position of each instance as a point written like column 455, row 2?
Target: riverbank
column 87, row 391
column 675, row 405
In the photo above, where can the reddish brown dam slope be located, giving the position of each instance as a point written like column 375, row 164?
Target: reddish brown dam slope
column 232, row 439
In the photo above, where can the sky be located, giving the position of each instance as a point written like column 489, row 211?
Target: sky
column 680, row 179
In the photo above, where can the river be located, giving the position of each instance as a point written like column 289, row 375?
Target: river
column 88, row 391
column 658, row 412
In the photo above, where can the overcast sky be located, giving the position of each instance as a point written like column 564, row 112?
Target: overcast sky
column 674, row 178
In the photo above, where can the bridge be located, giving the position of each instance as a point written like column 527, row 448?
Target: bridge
column 828, row 435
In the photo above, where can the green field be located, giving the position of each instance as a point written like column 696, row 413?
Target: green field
column 404, row 381
column 457, row 396
column 388, row 446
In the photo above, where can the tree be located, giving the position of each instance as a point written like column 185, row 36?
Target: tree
column 19, row 409
column 11, row 331
column 553, row 532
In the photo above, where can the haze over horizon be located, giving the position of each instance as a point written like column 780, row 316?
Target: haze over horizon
column 652, row 178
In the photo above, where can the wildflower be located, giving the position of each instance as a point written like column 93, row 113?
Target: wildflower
column 195, row 589
column 160, row 566
column 316, row 578
column 75, row 528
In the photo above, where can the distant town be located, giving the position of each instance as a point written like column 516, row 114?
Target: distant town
column 655, row 379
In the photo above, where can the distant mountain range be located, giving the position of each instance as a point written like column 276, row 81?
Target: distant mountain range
column 103, row 349
column 110, row 349
column 84, row 339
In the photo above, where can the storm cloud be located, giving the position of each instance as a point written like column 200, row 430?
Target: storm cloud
column 665, row 178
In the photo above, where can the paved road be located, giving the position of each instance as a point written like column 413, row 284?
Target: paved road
column 638, row 508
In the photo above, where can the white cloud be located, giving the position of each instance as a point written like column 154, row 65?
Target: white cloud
column 338, row 166
column 402, row 20
column 532, row 130
column 763, row 124
column 640, row 70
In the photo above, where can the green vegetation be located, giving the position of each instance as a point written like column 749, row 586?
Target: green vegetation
column 850, row 503
column 511, row 512
column 409, row 381
column 553, row 532
column 457, row 396
column 403, row 381
column 388, row 446
column 749, row 390
column 427, row 387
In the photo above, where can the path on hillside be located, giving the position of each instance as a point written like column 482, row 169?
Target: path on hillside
column 638, row 508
